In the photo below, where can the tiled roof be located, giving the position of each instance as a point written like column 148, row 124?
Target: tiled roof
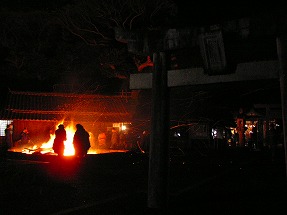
column 68, row 106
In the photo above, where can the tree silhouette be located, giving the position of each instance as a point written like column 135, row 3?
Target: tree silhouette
column 95, row 22
column 74, row 43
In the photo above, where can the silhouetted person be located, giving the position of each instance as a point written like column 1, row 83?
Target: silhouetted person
column 273, row 141
column 25, row 138
column 81, row 141
column 254, row 137
column 9, row 136
column 115, row 139
column 123, row 140
column 145, row 141
column 60, row 138
column 7, row 143
column 102, row 138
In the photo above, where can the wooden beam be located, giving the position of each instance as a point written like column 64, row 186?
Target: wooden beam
column 195, row 76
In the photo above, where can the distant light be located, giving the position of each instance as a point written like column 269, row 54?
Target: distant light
column 214, row 133
column 176, row 134
column 124, row 127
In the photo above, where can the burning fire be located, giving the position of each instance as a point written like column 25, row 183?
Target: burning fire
column 69, row 147
column 48, row 146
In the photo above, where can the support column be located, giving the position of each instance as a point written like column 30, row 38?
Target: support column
column 282, row 56
column 159, row 145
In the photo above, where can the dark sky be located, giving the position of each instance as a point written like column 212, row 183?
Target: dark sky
column 213, row 12
column 192, row 12
column 200, row 12
column 33, row 4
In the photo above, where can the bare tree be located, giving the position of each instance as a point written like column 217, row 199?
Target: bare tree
column 94, row 21
column 48, row 45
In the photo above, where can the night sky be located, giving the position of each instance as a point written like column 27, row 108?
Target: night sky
column 213, row 12
column 190, row 13
column 25, row 5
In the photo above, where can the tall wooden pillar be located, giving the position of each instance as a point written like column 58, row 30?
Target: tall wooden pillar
column 282, row 56
column 159, row 145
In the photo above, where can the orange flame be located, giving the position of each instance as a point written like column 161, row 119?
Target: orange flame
column 69, row 150
column 48, row 146
column 69, row 147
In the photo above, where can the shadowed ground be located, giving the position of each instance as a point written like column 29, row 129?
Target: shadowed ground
column 233, row 181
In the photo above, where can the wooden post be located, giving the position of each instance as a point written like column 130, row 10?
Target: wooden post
column 267, row 128
column 282, row 56
column 159, row 145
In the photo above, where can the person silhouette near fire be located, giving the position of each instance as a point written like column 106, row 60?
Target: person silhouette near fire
column 25, row 138
column 114, row 139
column 7, row 143
column 102, row 140
column 81, row 141
column 60, row 138
column 9, row 136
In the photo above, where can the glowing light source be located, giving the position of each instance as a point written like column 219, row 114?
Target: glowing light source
column 124, row 127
